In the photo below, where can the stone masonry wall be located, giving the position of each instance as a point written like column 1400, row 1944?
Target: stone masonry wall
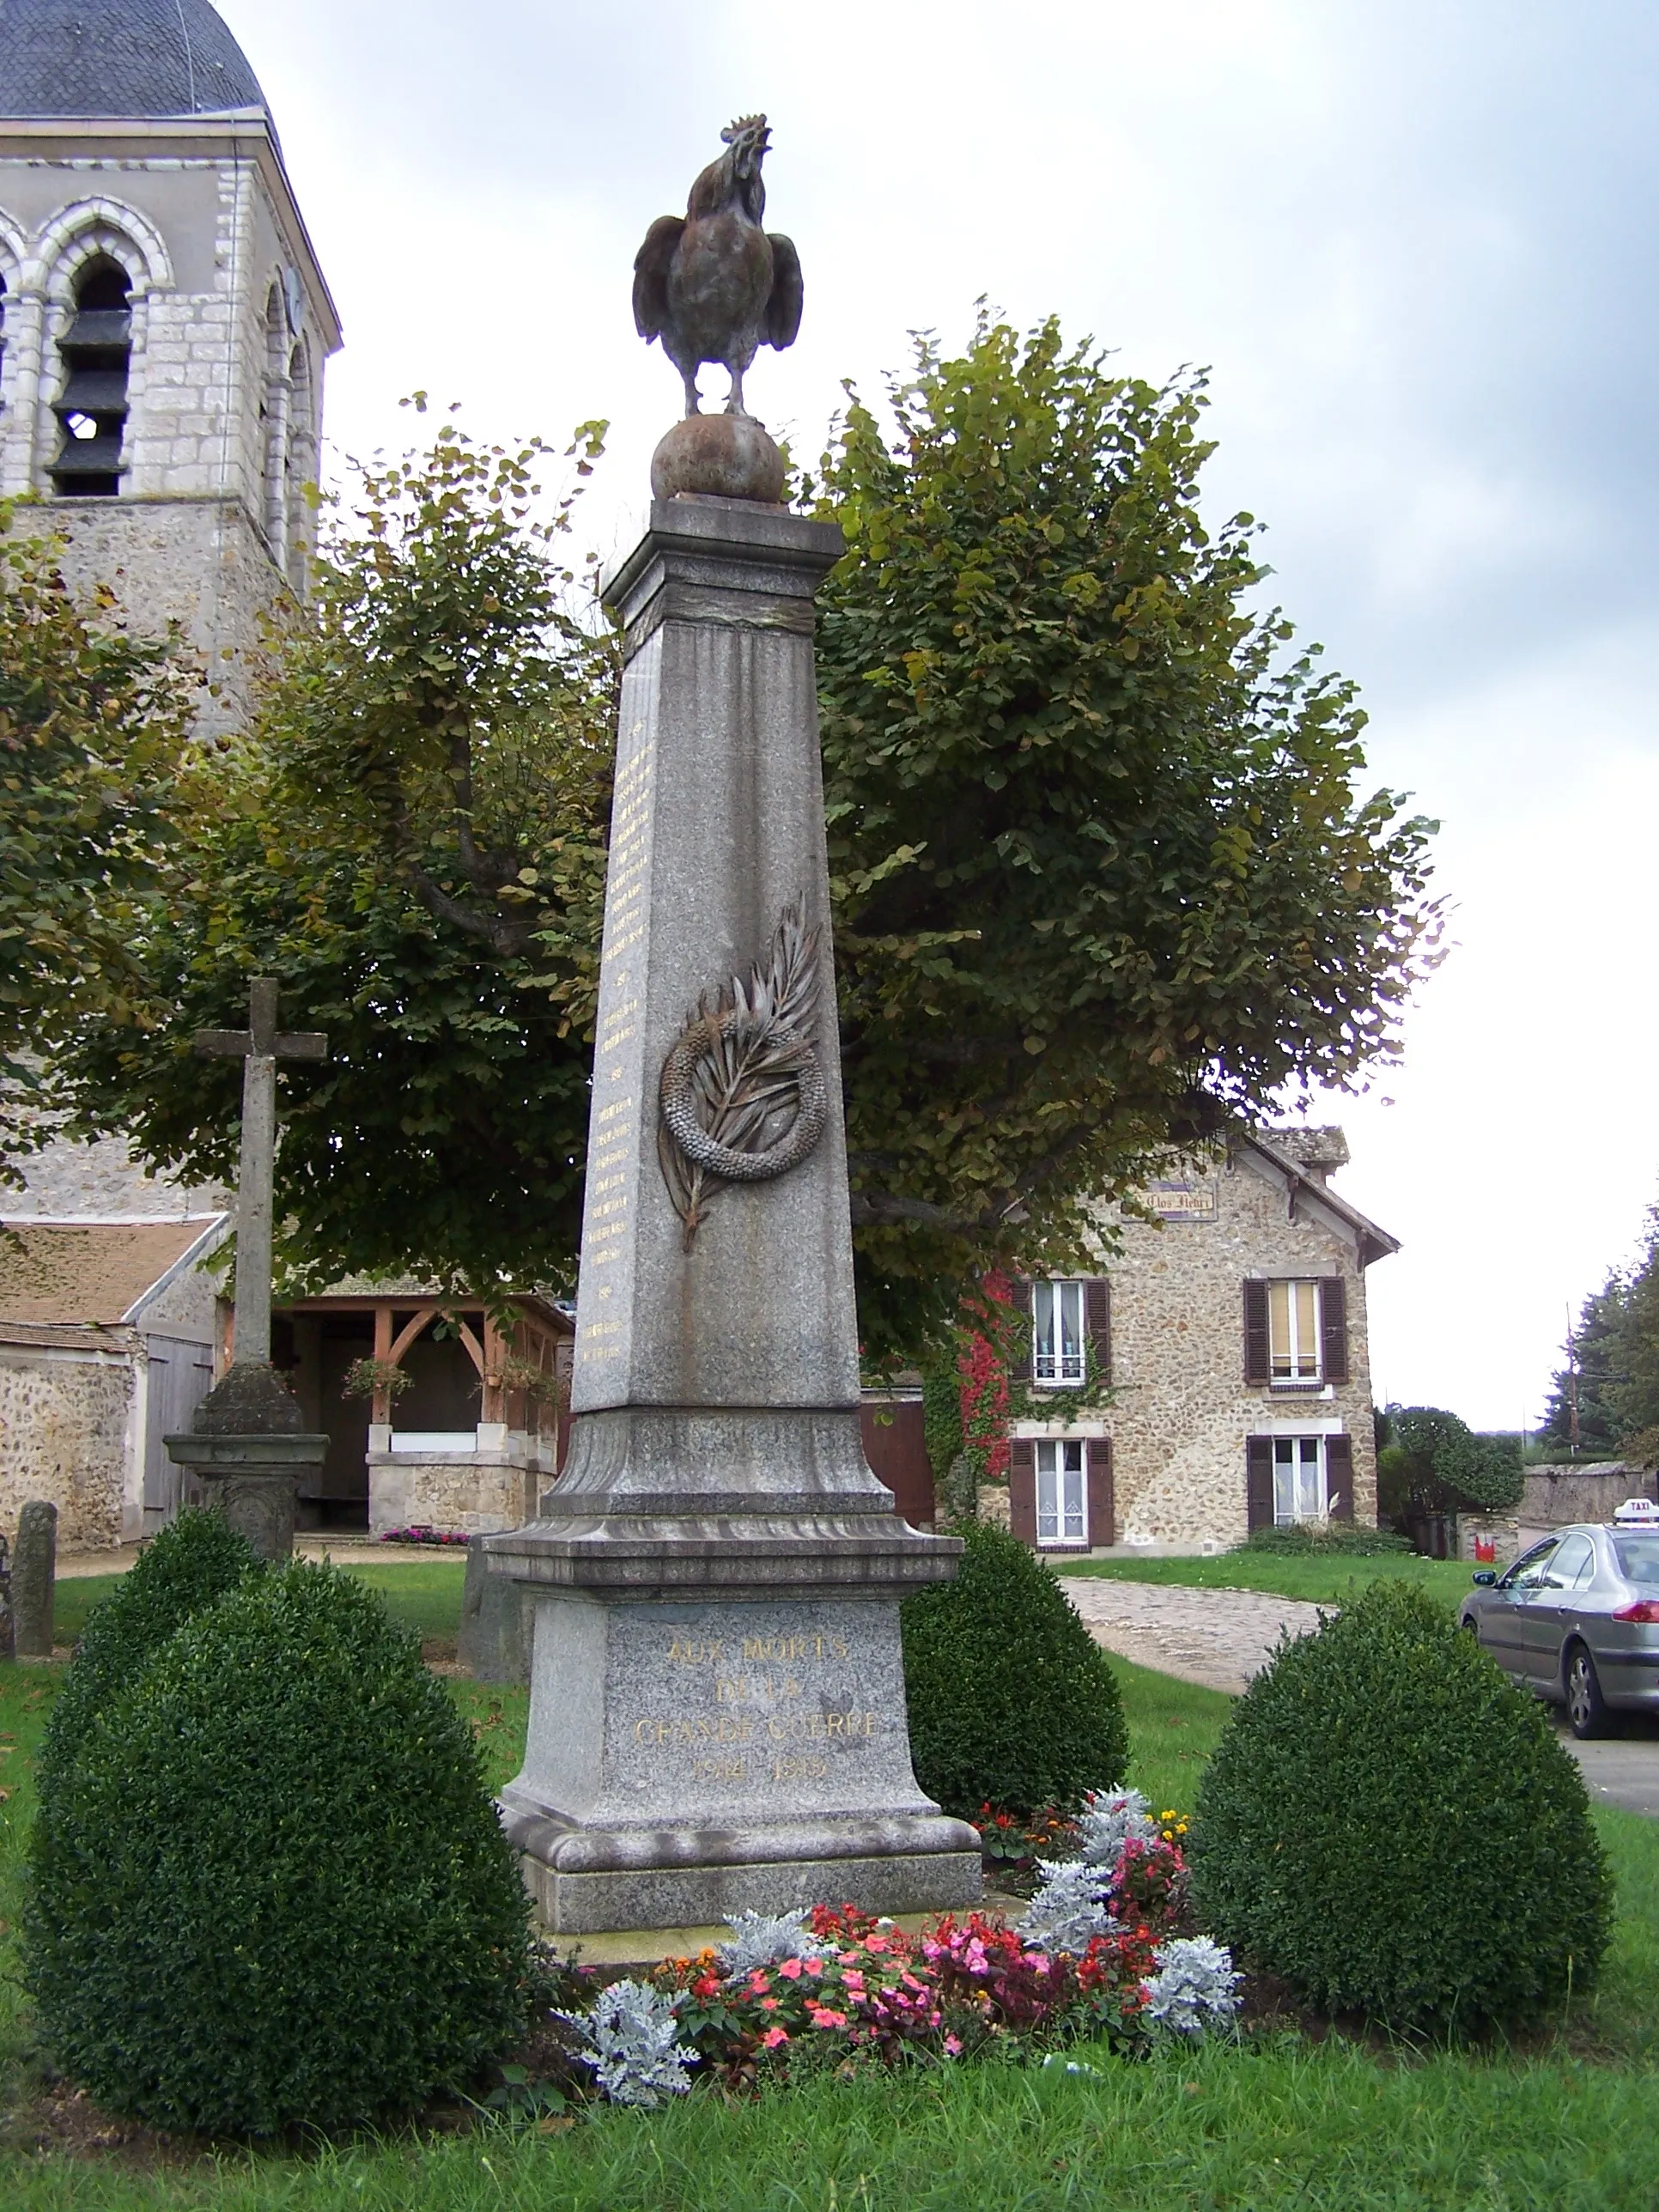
column 1182, row 1411
column 63, row 1437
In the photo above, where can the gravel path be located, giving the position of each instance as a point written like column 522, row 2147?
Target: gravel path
column 1217, row 1637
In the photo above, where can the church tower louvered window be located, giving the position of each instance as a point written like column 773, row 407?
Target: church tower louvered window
column 97, row 351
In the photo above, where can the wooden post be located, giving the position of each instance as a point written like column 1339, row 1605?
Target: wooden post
column 493, row 1407
column 381, row 1410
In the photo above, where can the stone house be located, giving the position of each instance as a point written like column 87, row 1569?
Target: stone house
column 107, row 1324
column 1214, row 1376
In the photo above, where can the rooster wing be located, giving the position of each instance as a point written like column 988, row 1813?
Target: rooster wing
column 651, row 265
column 782, row 325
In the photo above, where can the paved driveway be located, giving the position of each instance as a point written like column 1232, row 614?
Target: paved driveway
column 1220, row 1637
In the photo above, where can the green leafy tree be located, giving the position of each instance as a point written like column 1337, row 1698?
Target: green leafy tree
column 1101, row 874
column 1431, row 1461
column 1633, row 1387
column 411, row 838
column 92, row 721
column 1592, row 1376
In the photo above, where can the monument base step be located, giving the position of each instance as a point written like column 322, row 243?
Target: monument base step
column 698, row 1900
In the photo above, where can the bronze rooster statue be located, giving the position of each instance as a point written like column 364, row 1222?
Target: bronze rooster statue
column 713, row 284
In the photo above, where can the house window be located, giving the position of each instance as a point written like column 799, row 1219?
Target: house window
column 1057, row 1339
column 92, row 409
column 1062, row 1497
column 1299, row 1479
column 1293, row 1331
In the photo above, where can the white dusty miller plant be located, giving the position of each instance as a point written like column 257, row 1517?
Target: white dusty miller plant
column 1195, row 1987
column 633, row 2045
column 760, row 1939
column 1069, row 1907
column 1110, row 1819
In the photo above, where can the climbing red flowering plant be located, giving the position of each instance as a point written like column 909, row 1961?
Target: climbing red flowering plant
column 990, row 1321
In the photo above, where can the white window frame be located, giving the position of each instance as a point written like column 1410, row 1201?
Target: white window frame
column 1298, row 1458
column 1054, row 1457
column 1305, row 1356
column 1066, row 1370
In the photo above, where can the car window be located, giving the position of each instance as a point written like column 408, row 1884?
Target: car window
column 1639, row 1556
column 1573, row 1564
column 1528, row 1567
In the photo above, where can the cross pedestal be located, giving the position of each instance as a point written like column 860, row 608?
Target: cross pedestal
column 248, row 1442
column 717, row 1702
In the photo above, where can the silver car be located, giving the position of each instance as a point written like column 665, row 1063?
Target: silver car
column 1576, row 1619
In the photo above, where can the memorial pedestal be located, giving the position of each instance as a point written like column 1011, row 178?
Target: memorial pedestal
column 248, row 1451
column 717, row 1707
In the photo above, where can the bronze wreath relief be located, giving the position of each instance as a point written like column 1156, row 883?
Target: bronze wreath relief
column 735, row 1069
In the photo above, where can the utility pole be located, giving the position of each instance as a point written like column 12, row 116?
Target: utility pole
column 1572, row 1389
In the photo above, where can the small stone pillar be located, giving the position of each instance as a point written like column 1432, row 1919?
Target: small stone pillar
column 249, row 1446
column 34, row 1578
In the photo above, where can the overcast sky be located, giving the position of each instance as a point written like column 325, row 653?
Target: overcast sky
column 1416, row 245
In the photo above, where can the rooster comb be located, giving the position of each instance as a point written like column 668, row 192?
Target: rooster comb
column 734, row 131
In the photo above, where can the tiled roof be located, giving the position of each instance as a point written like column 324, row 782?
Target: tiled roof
column 87, row 1272
column 120, row 57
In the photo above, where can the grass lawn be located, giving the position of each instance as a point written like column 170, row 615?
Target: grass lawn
column 423, row 1592
column 1570, row 2124
column 1321, row 1581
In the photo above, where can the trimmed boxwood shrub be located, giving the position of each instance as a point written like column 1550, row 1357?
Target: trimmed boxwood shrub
column 1011, row 1701
column 1391, row 1827
column 274, row 1889
column 188, row 1566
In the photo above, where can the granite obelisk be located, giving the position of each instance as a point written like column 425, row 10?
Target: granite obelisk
column 717, row 1702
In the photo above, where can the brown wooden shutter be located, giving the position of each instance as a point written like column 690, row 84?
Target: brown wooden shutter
column 1097, row 1319
column 1338, row 1477
column 1023, row 1368
column 1021, row 1489
column 1258, row 1349
column 1333, row 1328
column 1259, row 1481
column 1103, row 1516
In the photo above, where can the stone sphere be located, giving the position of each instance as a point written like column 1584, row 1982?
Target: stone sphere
column 722, row 456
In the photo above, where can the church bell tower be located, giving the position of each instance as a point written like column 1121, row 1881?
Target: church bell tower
column 164, row 322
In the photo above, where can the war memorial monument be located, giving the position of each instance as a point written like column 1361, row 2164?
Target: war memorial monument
column 717, row 1712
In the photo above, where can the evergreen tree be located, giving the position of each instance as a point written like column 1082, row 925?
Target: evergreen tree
column 1595, row 1357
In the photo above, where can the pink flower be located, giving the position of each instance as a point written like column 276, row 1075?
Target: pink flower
column 823, row 2017
column 877, row 1944
column 953, row 2046
column 773, row 2038
column 854, row 1983
column 757, row 1982
column 790, row 1969
column 768, row 2004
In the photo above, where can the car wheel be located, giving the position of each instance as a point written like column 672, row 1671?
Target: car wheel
column 1586, row 1707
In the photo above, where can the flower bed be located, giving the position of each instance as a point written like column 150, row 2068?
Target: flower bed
column 1103, row 1955
column 422, row 1534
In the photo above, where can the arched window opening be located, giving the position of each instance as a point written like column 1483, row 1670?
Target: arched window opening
column 274, row 417
column 97, row 350
column 301, row 468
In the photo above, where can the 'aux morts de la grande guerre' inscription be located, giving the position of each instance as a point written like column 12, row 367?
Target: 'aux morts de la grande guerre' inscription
column 743, row 1097
column 768, row 1718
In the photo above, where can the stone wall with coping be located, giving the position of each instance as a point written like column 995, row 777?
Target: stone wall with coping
column 479, row 1495
column 1183, row 1411
column 63, row 1435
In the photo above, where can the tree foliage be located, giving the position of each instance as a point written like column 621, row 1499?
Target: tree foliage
column 411, row 838
column 1611, row 1373
column 1102, row 876
column 92, row 721
column 1431, row 1461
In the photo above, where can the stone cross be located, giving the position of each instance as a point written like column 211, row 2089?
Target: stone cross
column 34, row 1578
column 259, row 1046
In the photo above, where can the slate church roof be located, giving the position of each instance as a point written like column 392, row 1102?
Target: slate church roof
column 131, row 58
